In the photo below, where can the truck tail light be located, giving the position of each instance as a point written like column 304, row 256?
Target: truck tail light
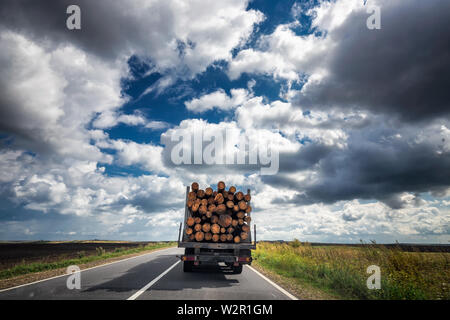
column 245, row 259
column 188, row 258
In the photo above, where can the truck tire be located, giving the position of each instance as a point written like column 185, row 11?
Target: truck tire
column 238, row 269
column 187, row 266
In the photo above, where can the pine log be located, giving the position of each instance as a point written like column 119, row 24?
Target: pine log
column 212, row 208
column 208, row 214
column 215, row 237
column 221, row 209
column 237, row 239
column 230, row 230
column 242, row 205
column 232, row 189
column 214, row 219
column 211, row 200
column 221, row 186
column 249, row 209
column 247, row 197
column 197, row 220
column 244, row 235
column 230, row 204
column 208, row 236
column 245, row 228
column 225, row 220
column 223, row 237
column 240, row 215
column 191, row 237
column 190, row 203
column 208, row 192
column 219, row 199
column 195, row 207
column 198, row 227
column 190, row 221
column 235, row 208
column 192, row 195
column 206, row 227
column 215, row 228
column 241, row 222
column 239, row 196
column 202, row 209
column 229, row 237
column 204, row 202
column 234, row 223
column 247, row 219
column 199, row 236
column 194, row 186
column 189, row 231
column 201, row 194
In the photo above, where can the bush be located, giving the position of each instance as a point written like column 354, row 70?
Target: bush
column 100, row 251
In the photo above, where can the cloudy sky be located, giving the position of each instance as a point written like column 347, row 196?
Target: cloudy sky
column 360, row 117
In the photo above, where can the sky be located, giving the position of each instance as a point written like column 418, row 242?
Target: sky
column 358, row 117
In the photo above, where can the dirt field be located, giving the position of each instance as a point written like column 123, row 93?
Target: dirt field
column 13, row 253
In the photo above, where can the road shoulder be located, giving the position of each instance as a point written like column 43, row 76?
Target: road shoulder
column 44, row 275
column 300, row 290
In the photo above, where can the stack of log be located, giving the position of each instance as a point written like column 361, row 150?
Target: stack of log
column 218, row 216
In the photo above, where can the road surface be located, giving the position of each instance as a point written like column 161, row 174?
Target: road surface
column 156, row 275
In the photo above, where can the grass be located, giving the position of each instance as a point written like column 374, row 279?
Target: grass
column 342, row 270
column 101, row 254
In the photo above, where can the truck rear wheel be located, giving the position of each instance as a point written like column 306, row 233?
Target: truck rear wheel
column 237, row 269
column 187, row 266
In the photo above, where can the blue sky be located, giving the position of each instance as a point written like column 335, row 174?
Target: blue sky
column 359, row 121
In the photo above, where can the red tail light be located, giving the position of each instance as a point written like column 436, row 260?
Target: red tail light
column 245, row 259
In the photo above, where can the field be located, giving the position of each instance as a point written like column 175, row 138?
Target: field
column 19, row 258
column 341, row 271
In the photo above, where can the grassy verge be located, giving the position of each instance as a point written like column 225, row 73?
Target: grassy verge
column 342, row 270
column 102, row 254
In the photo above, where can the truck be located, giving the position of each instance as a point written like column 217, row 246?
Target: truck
column 232, row 255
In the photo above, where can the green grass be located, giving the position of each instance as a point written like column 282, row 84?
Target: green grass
column 101, row 254
column 341, row 270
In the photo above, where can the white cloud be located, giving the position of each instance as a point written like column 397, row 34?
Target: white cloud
column 51, row 94
column 218, row 99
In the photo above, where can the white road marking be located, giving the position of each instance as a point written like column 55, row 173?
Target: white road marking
column 141, row 291
column 274, row 284
column 64, row 275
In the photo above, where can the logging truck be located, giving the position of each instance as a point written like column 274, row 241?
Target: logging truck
column 216, row 229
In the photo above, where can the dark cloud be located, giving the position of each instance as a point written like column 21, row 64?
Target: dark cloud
column 375, row 165
column 106, row 29
column 402, row 69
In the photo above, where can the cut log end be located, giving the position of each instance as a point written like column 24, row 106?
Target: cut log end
column 190, row 221
column 221, row 186
column 215, row 228
column 199, row 236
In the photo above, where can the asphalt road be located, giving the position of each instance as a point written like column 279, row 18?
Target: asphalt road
column 156, row 275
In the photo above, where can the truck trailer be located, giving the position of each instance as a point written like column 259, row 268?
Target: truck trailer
column 208, row 253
